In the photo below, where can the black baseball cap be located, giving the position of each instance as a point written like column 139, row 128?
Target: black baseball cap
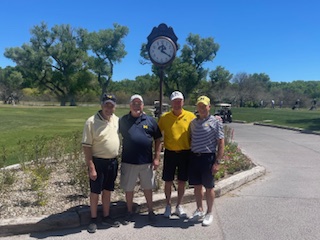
column 108, row 98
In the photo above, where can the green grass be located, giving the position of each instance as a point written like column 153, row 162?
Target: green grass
column 23, row 124
column 302, row 118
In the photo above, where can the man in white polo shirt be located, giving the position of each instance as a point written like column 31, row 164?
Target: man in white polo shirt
column 101, row 144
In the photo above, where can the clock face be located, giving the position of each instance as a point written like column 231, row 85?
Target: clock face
column 162, row 51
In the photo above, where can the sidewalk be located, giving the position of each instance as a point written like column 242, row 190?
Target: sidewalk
column 80, row 216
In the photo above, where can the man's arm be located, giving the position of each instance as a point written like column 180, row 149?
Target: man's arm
column 88, row 157
column 219, row 155
column 157, row 151
column 220, row 150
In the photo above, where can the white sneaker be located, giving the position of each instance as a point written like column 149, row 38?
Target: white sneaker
column 167, row 212
column 207, row 219
column 180, row 212
column 196, row 216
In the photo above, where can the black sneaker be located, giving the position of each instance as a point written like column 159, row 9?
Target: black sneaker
column 92, row 228
column 127, row 218
column 152, row 217
column 108, row 221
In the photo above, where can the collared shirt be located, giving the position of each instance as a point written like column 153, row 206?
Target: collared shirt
column 205, row 134
column 138, row 136
column 102, row 136
column 176, row 130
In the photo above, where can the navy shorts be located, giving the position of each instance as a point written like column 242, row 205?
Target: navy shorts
column 200, row 172
column 107, row 171
column 176, row 162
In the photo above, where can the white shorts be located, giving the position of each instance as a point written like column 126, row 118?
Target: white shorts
column 130, row 173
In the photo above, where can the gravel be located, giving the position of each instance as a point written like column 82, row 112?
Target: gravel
column 18, row 200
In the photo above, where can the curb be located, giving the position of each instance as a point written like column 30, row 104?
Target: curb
column 301, row 130
column 80, row 215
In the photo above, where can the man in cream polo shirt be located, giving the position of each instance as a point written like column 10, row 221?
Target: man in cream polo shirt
column 101, row 144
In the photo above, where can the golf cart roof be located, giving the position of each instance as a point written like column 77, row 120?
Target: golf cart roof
column 223, row 105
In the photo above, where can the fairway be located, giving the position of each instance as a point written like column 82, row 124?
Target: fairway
column 301, row 118
column 23, row 124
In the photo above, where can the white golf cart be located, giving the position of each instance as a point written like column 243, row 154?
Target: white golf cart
column 224, row 111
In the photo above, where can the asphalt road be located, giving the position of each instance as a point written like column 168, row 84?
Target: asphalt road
column 283, row 204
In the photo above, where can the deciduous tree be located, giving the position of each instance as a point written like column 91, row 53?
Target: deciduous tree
column 108, row 49
column 53, row 60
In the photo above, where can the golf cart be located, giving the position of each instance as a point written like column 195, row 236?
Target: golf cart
column 224, row 111
column 165, row 108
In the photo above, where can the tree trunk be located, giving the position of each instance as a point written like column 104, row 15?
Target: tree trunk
column 73, row 102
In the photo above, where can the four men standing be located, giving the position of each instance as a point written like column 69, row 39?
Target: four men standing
column 187, row 141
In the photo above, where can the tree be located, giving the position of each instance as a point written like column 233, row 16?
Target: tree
column 180, row 76
column 245, row 87
column 219, row 81
column 10, row 84
column 263, row 80
column 196, row 52
column 108, row 49
column 53, row 60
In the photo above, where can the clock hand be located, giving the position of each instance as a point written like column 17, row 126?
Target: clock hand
column 166, row 53
column 162, row 48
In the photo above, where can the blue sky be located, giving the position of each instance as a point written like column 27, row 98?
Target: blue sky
column 278, row 37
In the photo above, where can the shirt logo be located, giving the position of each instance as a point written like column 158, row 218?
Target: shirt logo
column 145, row 126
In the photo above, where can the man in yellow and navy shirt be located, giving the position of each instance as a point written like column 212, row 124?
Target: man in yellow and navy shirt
column 140, row 132
column 174, row 126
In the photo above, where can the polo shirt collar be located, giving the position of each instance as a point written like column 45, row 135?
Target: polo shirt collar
column 139, row 119
column 99, row 114
column 182, row 113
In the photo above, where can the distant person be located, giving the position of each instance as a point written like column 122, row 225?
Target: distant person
column 101, row 144
column 313, row 104
column 229, row 116
column 176, row 137
column 139, row 132
column 296, row 105
column 281, row 104
column 272, row 103
column 207, row 146
column 261, row 103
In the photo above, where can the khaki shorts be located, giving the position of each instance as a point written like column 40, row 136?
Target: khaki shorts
column 130, row 173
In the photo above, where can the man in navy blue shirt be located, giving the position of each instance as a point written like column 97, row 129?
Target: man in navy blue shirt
column 139, row 132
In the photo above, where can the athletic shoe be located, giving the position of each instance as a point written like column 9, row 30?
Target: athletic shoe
column 167, row 212
column 197, row 216
column 207, row 219
column 108, row 221
column 92, row 228
column 152, row 217
column 180, row 212
column 127, row 218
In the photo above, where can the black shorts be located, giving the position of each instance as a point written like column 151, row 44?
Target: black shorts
column 200, row 169
column 176, row 161
column 107, row 171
